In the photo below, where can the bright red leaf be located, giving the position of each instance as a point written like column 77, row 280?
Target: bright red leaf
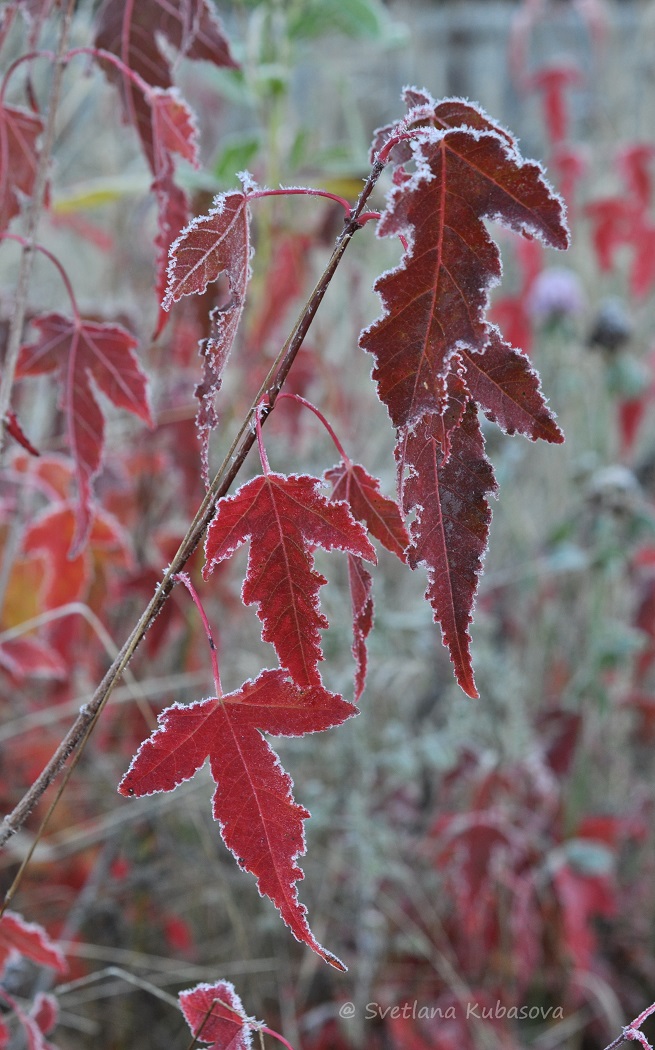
column 284, row 517
column 447, row 488
column 381, row 515
column 553, row 82
column 259, row 820
column 86, row 355
column 30, row 940
column 215, row 1014
column 19, row 134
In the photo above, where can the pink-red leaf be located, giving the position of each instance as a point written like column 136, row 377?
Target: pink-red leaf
column 215, row 1014
column 447, row 490
column 381, row 515
column 285, row 517
column 86, row 355
column 436, row 299
column 30, row 940
column 19, row 135
column 259, row 820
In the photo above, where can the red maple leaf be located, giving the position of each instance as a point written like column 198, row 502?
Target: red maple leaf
column 285, row 517
column 30, row 940
column 215, row 1014
column 449, row 479
column 435, row 300
column 553, row 82
column 87, row 354
column 259, row 820
column 19, row 134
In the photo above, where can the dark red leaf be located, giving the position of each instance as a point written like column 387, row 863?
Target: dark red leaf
column 259, row 820
column 15, row 429
column 381, row 515
column 435, row 300
column 504, row 384
column 449, row 533
column 285, row 517
column 87, row 354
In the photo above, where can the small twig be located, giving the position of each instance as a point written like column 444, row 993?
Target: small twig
column 632, row 1032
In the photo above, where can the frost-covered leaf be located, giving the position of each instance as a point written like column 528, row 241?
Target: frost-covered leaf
column 285, row 517
column 87, row 355
column 259, row 820
column 215, row 244
column 215, row 1014
column 381, row 515
column 506, row 386
column 361, row 596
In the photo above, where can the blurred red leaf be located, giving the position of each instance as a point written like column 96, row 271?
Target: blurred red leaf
column 30, row 940
column 134, row 33
column 87, row 354
column 19, row 135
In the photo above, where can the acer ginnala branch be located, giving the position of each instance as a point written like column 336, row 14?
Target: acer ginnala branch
column 438, row 361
